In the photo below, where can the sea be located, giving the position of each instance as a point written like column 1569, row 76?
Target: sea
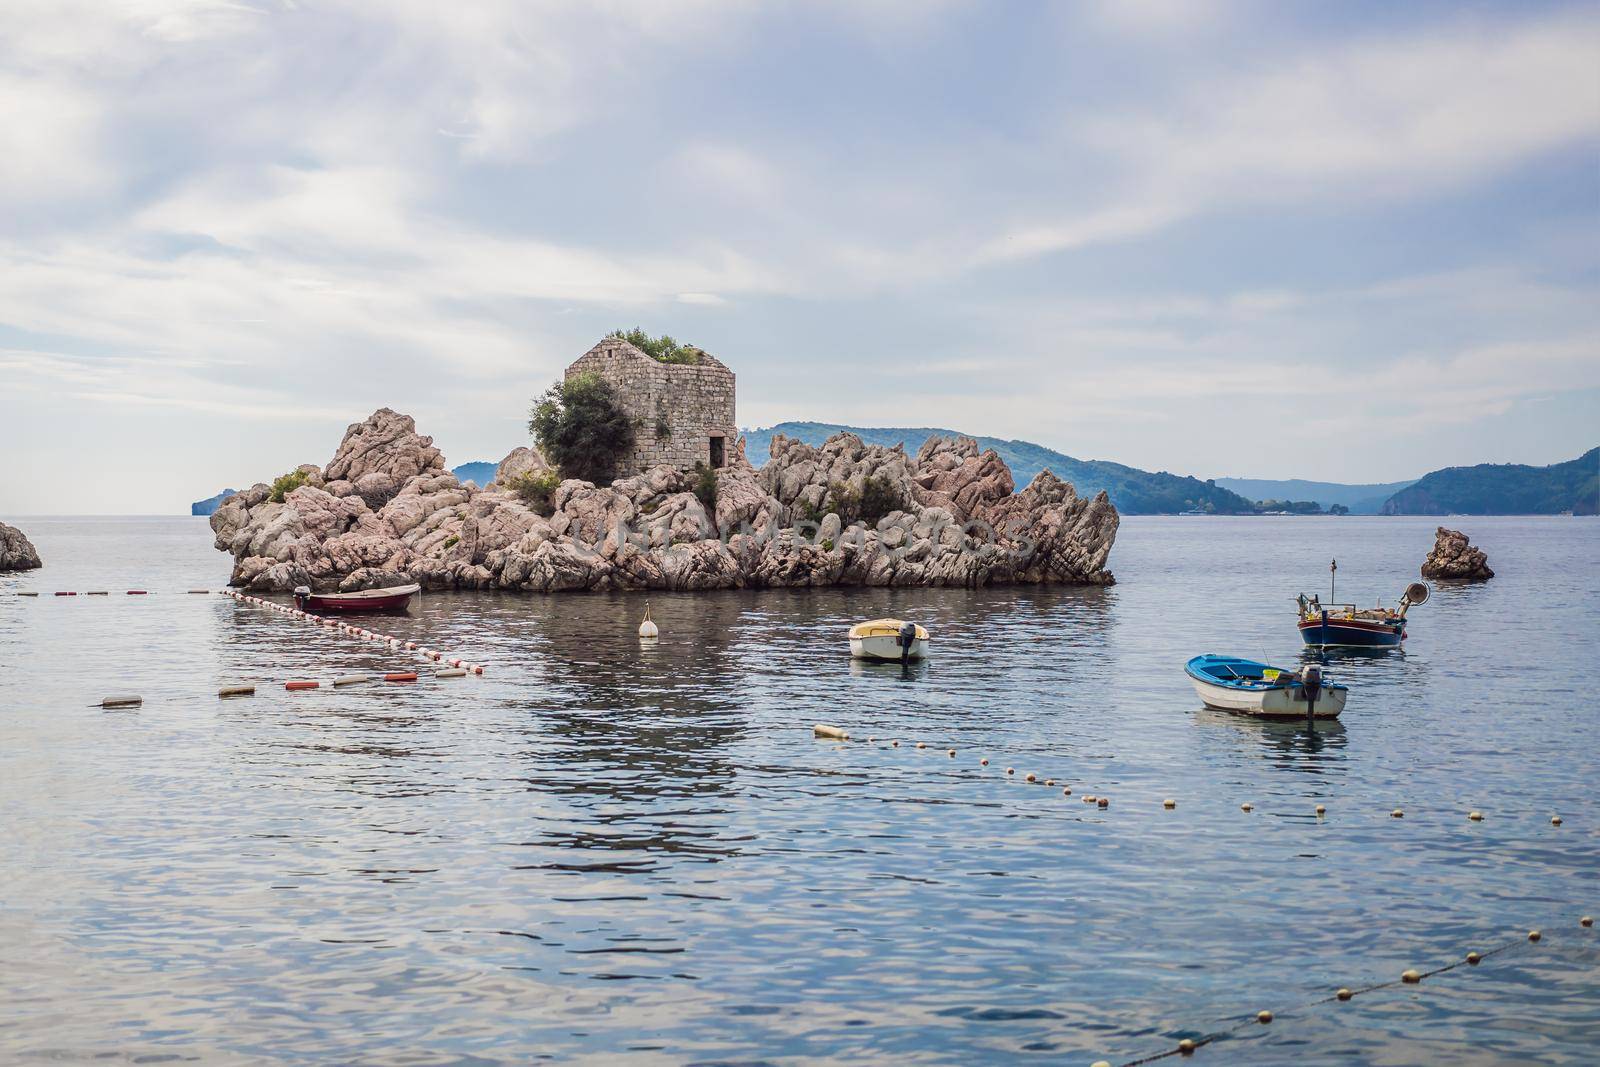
column 603, row 850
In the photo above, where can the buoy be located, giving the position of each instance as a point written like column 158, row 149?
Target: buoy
column 200, row 591
column 1031, row 778
column 301, row 685
column 1410, row 977
column 922, row 744
column 1534, row 935
column 1100, row 1063
column 121, row 702
column 1169, row 803
column 1049, row 781
column 648, row 628
column 1247, row 806
column 1473, row 958
column 401, row 676
column 27, row 594
column 138, row 592
column 477, row 668
column 454, row 672
column 1066, row 790
column 97, row 592
column 350, row 679
column 1104, row 802
column 1011, row 770
column 236, row 691
column 1344, row 994
column 984, row 762
column 1186, row 1046
column 832, row 733
column 1555, row 820
column 951, row 753
column 894, row 744
column 1587, row 920
column 66, row 594
column 1475, row 816
column 411, row 645
column 1397, row 814
column 1089, row 799
column 1263, row 1017
column 1321, row 810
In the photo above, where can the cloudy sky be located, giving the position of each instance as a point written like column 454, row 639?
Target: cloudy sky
column 1344, row 241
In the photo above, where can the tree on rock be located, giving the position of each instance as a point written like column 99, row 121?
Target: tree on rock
column 581, row 428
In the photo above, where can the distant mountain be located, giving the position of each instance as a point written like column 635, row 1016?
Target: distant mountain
column 1133, row 491
column 1504, row 489
column 480, row 473
column 210, row 504
column 1360, row 499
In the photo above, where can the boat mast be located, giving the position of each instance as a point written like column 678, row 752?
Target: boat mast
column 1333, row 570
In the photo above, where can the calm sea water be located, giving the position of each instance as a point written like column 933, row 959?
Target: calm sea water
column 601, row 851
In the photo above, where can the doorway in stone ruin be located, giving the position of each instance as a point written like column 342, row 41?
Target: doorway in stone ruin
column 718, row 453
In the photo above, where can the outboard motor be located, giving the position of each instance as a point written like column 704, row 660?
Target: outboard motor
column 301, row 593
column 906, row 638
column 1310, row 687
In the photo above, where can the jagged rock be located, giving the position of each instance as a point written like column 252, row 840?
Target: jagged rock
column 953, row 474
column 16, row 551
column 802, row 477
column 520, row 461
column 386, row 511
column 385, row 443
column 1454, row 557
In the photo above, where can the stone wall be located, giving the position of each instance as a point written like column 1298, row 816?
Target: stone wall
column 676, row 408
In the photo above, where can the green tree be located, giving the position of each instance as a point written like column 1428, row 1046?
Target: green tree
column 582, row 429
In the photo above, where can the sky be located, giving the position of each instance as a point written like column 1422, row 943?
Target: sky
column 1349, row 242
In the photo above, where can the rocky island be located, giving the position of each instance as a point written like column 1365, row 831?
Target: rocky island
column 1453, row 557
column 386, row 511
column 16, row 551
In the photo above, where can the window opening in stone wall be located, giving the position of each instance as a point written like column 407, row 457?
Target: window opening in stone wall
column 718, row 452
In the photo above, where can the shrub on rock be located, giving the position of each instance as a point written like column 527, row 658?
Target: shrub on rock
column 536, row 489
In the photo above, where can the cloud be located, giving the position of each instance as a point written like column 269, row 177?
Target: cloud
column 1380, row 118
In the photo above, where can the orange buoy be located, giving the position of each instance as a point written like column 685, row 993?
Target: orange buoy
column 411, row 645
column 401, row 676
column 477, row 668
column 66, row 594
column 301, row 685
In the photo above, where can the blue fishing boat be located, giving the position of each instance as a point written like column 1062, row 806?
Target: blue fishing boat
column 1348, row 626
column 1230, row 683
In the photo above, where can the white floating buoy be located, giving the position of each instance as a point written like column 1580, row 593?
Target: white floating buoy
column 648, row 628
column 831, row 733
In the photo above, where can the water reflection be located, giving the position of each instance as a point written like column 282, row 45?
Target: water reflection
column 1289, row 744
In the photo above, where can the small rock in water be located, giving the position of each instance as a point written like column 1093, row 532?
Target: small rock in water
column 1453, row 557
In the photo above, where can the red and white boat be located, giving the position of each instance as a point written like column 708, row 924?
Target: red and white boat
column 394, row 598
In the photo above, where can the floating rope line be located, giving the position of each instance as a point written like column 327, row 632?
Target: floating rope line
column 452, row 665
column 1188, row 1045
column 825, row 732
column 1264, row 1017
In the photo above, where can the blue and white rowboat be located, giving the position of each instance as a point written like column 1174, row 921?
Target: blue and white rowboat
column 1243, row 685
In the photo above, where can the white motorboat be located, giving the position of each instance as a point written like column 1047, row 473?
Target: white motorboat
column 888, row 639
column 1242, row 685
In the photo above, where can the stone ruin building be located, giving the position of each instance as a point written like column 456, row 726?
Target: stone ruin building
column 682, row 412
